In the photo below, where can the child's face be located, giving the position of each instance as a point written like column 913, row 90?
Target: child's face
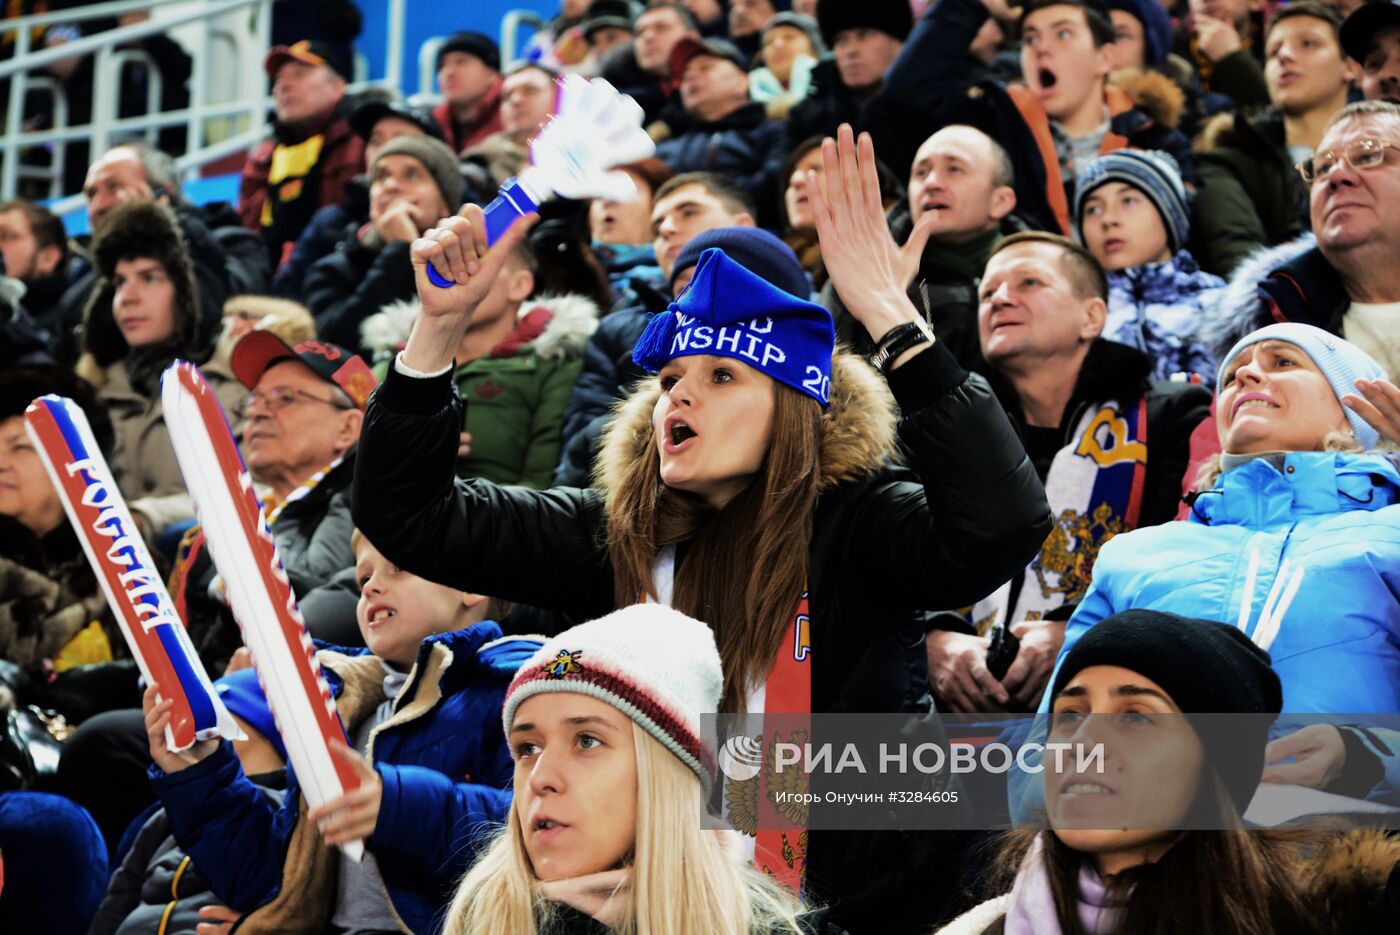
column 397, row 610
column 1122, row 228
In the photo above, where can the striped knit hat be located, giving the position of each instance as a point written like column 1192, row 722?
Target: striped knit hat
column 1152, row 172
column 654, row 664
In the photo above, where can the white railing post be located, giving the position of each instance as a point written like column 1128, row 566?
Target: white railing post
column 104, row 75
column 199, row 80
column 14, row 120
column 393, row 60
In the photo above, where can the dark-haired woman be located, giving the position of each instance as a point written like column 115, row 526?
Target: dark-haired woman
column 1175, row 857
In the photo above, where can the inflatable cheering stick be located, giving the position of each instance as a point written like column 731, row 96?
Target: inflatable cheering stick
column 242, row 548
column 595, row 129
column 124, row 568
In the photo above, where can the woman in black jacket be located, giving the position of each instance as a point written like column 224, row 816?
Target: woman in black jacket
column 739, row 526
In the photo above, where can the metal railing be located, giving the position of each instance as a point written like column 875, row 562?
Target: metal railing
column 249, row 107
column 107, row 74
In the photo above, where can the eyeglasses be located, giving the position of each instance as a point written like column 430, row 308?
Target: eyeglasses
column 281, row 398
column 1359, row 154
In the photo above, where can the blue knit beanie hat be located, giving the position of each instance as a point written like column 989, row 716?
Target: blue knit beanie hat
column 753, row 248
column 1151, row 172
column 732, row 312
column 1340, row 361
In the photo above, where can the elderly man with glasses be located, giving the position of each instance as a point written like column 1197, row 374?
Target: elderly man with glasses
column 1345, row 276
column 301, row 421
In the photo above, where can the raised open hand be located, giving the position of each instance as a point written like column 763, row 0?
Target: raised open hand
column 869, row 271
column 1378, row 403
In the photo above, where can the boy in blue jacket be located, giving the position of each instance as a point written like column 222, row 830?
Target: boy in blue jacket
column 422, row 708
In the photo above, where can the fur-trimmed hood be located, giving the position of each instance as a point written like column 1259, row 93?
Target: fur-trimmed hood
column 573, row 320
column 1153, row 93
column 858, row 429
column 1344, row 884
column 1236, row 312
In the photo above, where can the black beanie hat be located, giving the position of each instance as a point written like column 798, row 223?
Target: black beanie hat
column 1206, row 668
column 472, row 43
column 892, row 17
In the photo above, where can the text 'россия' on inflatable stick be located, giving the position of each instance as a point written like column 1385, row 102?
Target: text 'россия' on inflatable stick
column 594, row 129
column 241, row 545
column 123, row 566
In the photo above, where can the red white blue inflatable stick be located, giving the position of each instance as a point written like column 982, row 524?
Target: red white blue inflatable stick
column 243, row 550
column 593, row 129
column 124, row 568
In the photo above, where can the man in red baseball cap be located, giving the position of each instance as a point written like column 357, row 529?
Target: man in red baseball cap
column 301, row 422
column 313, row 151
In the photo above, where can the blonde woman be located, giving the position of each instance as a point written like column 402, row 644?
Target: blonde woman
column 604, row 832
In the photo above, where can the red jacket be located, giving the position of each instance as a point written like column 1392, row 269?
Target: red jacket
column 312, row 169
column 489, row 122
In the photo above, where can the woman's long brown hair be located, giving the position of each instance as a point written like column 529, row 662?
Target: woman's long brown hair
column 1232, row 880
column 745, row 565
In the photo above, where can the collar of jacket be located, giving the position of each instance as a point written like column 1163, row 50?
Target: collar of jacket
column 858, row 430
column 1166, row 281
column 1111, row 371
column 744, row 117
column 449, row 123
column 1262, row 135
column 356, row 676
column 1307, row 289
column 337, row 479
column 1279, row 491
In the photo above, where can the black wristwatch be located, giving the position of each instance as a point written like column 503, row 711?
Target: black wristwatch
column 898, row 340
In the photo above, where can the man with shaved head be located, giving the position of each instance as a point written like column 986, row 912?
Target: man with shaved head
column 962, row 190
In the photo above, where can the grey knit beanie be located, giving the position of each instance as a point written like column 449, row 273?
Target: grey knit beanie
column 441, row 164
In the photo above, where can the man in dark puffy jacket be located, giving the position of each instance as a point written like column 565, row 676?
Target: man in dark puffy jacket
column 1109, row 445
column 643, row 71
column 728, row 133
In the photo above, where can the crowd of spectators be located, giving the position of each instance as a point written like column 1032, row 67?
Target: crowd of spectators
column 1102, row 302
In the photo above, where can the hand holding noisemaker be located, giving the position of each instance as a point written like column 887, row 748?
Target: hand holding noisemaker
column 123, row 566
column 241, row 545
column 594, row 129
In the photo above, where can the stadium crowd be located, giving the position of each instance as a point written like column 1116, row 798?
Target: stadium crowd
column 948, row 357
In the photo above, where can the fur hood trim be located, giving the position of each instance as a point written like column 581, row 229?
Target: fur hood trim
column 574, row 320
column 1154, row 94
column 1233, row 314
column 858, row 430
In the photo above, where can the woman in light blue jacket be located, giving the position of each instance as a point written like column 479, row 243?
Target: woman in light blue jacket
column 1294, row 534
